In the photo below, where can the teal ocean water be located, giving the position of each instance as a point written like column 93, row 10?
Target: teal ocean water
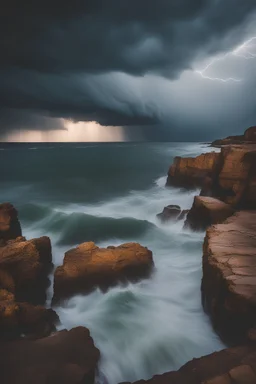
column 110, row 194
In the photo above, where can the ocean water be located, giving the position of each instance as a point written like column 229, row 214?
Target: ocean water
column 110, row 194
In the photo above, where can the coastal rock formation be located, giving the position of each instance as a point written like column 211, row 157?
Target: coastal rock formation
column 23, row 318
column 206, row 211
column 229, row 275
column 229, row 366
column 67, row 357
column 229, row 175
column 249, row 136
column 24, row 268
column 9, row 223
column 171, row 212
column 237, row 176
column 190, row 172
column 88, row 266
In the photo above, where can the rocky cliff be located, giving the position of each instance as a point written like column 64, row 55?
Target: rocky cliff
column 229, row 175
column 249, row 136
column 229, row 275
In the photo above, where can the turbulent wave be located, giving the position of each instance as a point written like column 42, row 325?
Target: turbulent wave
column 76, row 227
column 111, row 194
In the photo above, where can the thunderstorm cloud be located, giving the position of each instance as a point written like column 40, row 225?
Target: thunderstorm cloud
column 128, row 63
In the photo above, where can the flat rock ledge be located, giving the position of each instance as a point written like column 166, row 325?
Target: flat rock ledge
column 229, row 276
column 89, row 266
column 66, row 357
column 229, row 366
column 206, row 211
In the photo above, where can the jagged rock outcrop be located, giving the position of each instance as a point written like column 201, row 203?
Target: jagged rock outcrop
column 229, row 366
column 249, row 136
column 172, row 212
column 67, row 357
column 206, row 211
column 24, row 268
column 9, row 223
column 23, row 318
column 229, row 275
column 229, row 175
column 89, row 266
column 237, row 177
column 190, row 172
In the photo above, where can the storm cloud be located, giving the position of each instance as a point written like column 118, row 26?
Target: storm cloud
column 119, row 62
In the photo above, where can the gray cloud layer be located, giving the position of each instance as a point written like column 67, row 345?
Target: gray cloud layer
column 85, row 60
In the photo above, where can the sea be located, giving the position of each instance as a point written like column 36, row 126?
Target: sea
column 110, row 193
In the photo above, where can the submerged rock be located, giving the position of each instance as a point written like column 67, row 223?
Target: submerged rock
column 9, row 223
column 24, row 268
column 229, row 275
column 67, row 357
column 229, row 366
column 206, row 211
column 190, row 172
column 89, row 266
column 171, row 212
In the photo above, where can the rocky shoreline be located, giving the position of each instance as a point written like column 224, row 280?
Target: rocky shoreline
column 31, row 349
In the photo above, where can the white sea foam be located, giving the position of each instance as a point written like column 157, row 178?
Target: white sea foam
column 158, row 324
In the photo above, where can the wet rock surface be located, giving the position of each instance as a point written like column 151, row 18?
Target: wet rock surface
column 89, row 266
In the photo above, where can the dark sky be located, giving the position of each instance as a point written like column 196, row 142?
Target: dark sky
column 138, row 64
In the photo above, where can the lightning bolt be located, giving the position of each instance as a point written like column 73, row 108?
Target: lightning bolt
column 244, row 51
column 246, row 47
